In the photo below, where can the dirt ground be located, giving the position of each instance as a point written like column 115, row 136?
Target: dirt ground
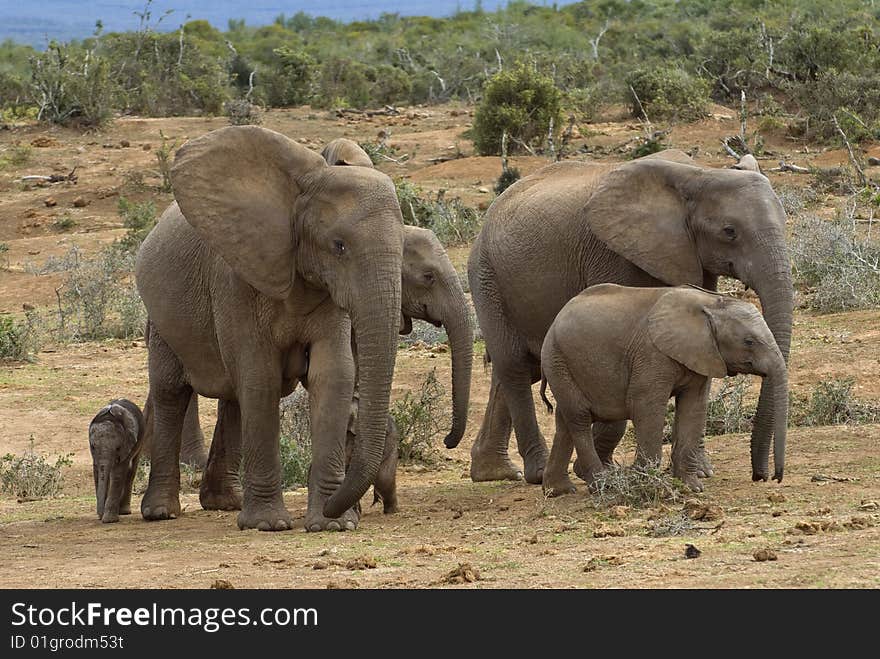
column 825, row 531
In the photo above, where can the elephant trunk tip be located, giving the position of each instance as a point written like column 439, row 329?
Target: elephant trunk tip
column 452, row 439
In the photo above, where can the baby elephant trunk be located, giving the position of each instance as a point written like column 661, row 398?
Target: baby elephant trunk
column 779, row 383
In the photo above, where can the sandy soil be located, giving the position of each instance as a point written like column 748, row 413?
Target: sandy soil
column 824, row 532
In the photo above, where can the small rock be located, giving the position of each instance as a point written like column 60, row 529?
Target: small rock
column 777, row 513
column 483, row 190
column 873, row 161
column 600, row 561
column 222, row 584
column 859, row 523
column 361, row 563
column 320, row 565
column 619, row 512
column 483, row 205
column 607, row 532
column 765, row 555
column 697, row 510
column 50, row 202
column 124, row 144
column 776, row 497
column 534, row 539
column 868, row 505
column 690, row 551
column 80, row 202
column 146, row 147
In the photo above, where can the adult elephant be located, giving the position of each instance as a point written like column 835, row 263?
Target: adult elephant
column 254, row 280
column 651, row 222
column 430, row 291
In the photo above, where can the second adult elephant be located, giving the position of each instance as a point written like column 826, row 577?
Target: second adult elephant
column 650, row 222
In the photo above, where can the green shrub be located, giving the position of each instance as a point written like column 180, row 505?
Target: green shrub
column 72, row 86
column 32, row 476
column 15, row 155
column 390, row 85
column 854, row 98
column 290, row 81
column 668, row 92
column 832, row 403
column 19, row 340
column 727, row 412
column 835, row 268
column 418, row 419
column 452, row 221
column 139, row 219
column 296, row 439
column 520, row 101
column 508, row 177
column 241, row 112
column 344, row 81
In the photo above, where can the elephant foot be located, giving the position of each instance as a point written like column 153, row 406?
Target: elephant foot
column 703, row 464
column 222, row 498
column 493, row 467
column 158, row 505
column 389, row 501
column 125, row 510
column 691, row 480
column 533, row 465
column 266, row 517
column 109, row 518
column 316, row 522
column 558, row 486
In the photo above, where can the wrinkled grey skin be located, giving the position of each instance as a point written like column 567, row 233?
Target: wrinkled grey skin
column 655, row 221
column 430, row 291
column 116, row 437
column 254, row 280
column 615, row 353
column 192, row 443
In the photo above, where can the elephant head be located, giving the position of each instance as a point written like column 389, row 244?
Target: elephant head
column 113, row 435
column 431, row 291
column 688, row 225
column 277, row 213
column 716, row 335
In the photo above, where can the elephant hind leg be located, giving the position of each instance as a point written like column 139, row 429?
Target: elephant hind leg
column 556, row 481
column 606, row 437
column 192, row 444
column 221, row 489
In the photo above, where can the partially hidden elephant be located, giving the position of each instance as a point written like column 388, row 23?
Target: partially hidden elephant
column 615, row 353
column 655, row 221
column 116, row 439
column 430, row 291
column 254, row 280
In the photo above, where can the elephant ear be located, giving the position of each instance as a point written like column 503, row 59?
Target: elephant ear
column 237, row 187
column 639, row 211
column 125, row 419
column 342, row 151
column 680, row 326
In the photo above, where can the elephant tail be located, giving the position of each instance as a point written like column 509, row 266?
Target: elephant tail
column 544, row 392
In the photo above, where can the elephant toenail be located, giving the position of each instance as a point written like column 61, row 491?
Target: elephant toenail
column 263, row 526
column 333, row 526
column 350, row 526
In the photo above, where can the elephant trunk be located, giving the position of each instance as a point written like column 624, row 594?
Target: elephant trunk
column 461, row 343
column 777, row 300
column 375, row 321
column 102, row 471
column 779, row 385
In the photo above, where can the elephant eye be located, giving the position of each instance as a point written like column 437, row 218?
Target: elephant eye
column 729, row 232
column 749, row 342
column 429, row 278
column 339, row 247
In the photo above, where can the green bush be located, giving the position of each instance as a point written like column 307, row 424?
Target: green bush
column 418, row 418
column 290, row 81
column 668, row 92
column 452, row 221
column 139, row 219
column 508, row 177
column 637, row 486
column 19, row 340
column 832, row 403
column 344, row 81
column 520, row 101
column 727, row 412
column 835, row 268
column 296, row 439
column 71, row 85
column 241, row 112
column 32, row 476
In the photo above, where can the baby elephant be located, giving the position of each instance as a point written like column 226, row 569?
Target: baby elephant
column 385, row 485
column 616, row 353
column 115, row 439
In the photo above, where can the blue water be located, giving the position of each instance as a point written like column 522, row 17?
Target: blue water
column 36, row 22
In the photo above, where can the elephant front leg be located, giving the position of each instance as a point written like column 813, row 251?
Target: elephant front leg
column 687, row 433
column 489, row 457
column 221, row 488
column 119, row 478
column 330, row 386
column 649, row 418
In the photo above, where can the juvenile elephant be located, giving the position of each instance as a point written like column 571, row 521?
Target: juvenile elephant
column 430, row 291
column 254, row 280
column 116, row 438
column 616, row 353
column 658, row 221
